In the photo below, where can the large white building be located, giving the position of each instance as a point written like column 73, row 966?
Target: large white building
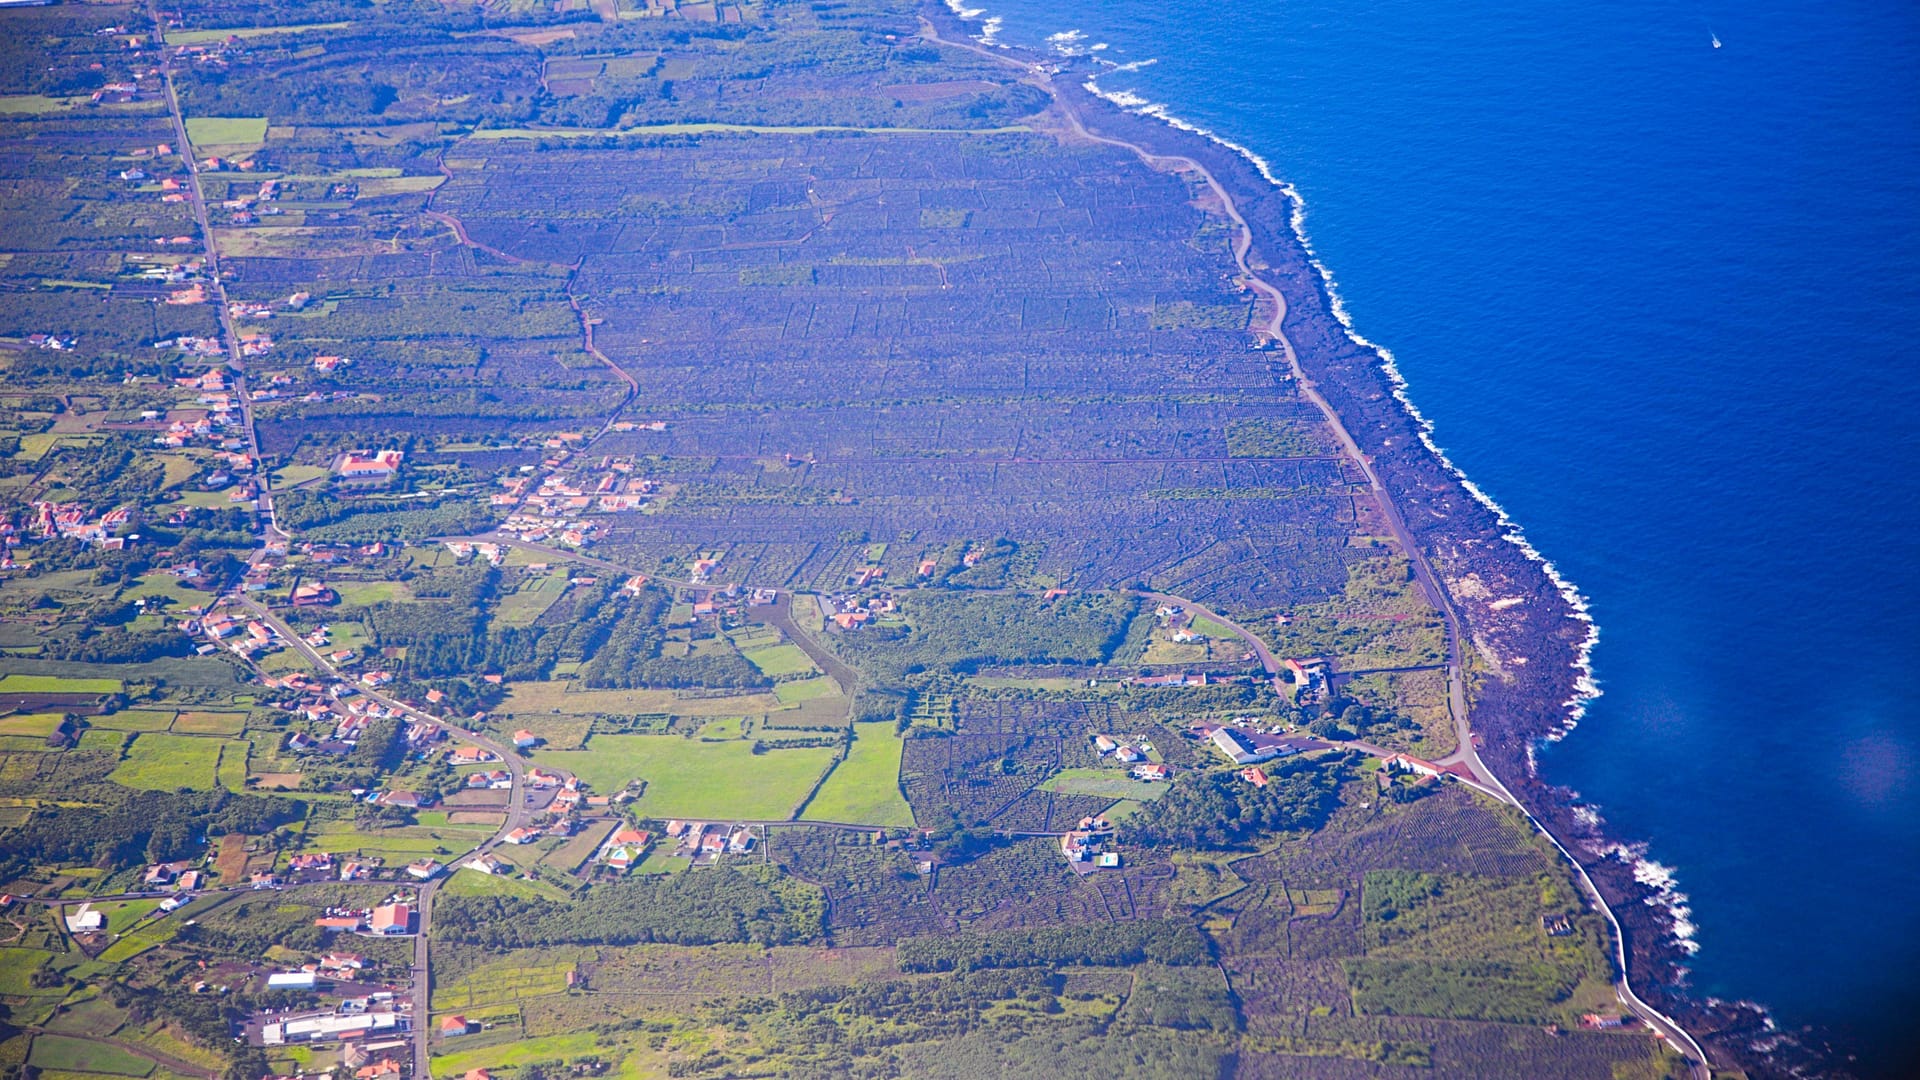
column 1239, row 749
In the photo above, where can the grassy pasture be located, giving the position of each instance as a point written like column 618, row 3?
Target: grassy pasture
column 163, row 762
column 694, row 779
column 865, row 788
column 205, row 131
column 780, row 660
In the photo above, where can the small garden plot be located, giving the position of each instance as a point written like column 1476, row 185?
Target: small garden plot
column 864, row 789
column 688, row 778
column 162, row 762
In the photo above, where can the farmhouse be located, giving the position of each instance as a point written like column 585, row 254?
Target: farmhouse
column 451, row 1026
column 1152, row 771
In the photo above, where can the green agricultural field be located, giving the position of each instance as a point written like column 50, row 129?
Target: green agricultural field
column 162, row 762
column 780, row 660
column 690, row 778
column 864, row 789
column 201, row 37
column 67, row 1053
column 204, row 131
column 1105, row 783
column 56, row 684
column 534, row 698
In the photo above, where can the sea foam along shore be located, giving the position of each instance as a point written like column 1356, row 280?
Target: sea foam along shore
column 1657, row 877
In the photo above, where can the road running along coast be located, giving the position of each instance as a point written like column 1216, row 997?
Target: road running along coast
column 1040, row 75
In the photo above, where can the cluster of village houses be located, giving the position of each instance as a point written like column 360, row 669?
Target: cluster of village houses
column 547, row 504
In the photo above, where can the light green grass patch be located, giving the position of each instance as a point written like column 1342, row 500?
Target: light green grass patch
column 205, row 131
column 694, row 779
column 662, row 863
column 1213, row 628
column 780, row 660
column 56, row 684
column 163, row 762
column 864, row 789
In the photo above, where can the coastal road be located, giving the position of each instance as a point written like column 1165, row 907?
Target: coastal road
column 1039, row 74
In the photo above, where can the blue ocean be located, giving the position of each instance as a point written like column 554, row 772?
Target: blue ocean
column 1652, row 269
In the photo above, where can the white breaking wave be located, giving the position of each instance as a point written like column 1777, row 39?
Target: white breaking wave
column 963, row 11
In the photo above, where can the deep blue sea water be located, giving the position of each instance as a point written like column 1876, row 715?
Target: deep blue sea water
column 1662, row 301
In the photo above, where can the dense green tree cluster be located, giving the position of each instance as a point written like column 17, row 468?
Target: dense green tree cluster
column 715, row 905
column 137, row 826
column 1220, row 810
column 1160, row 941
